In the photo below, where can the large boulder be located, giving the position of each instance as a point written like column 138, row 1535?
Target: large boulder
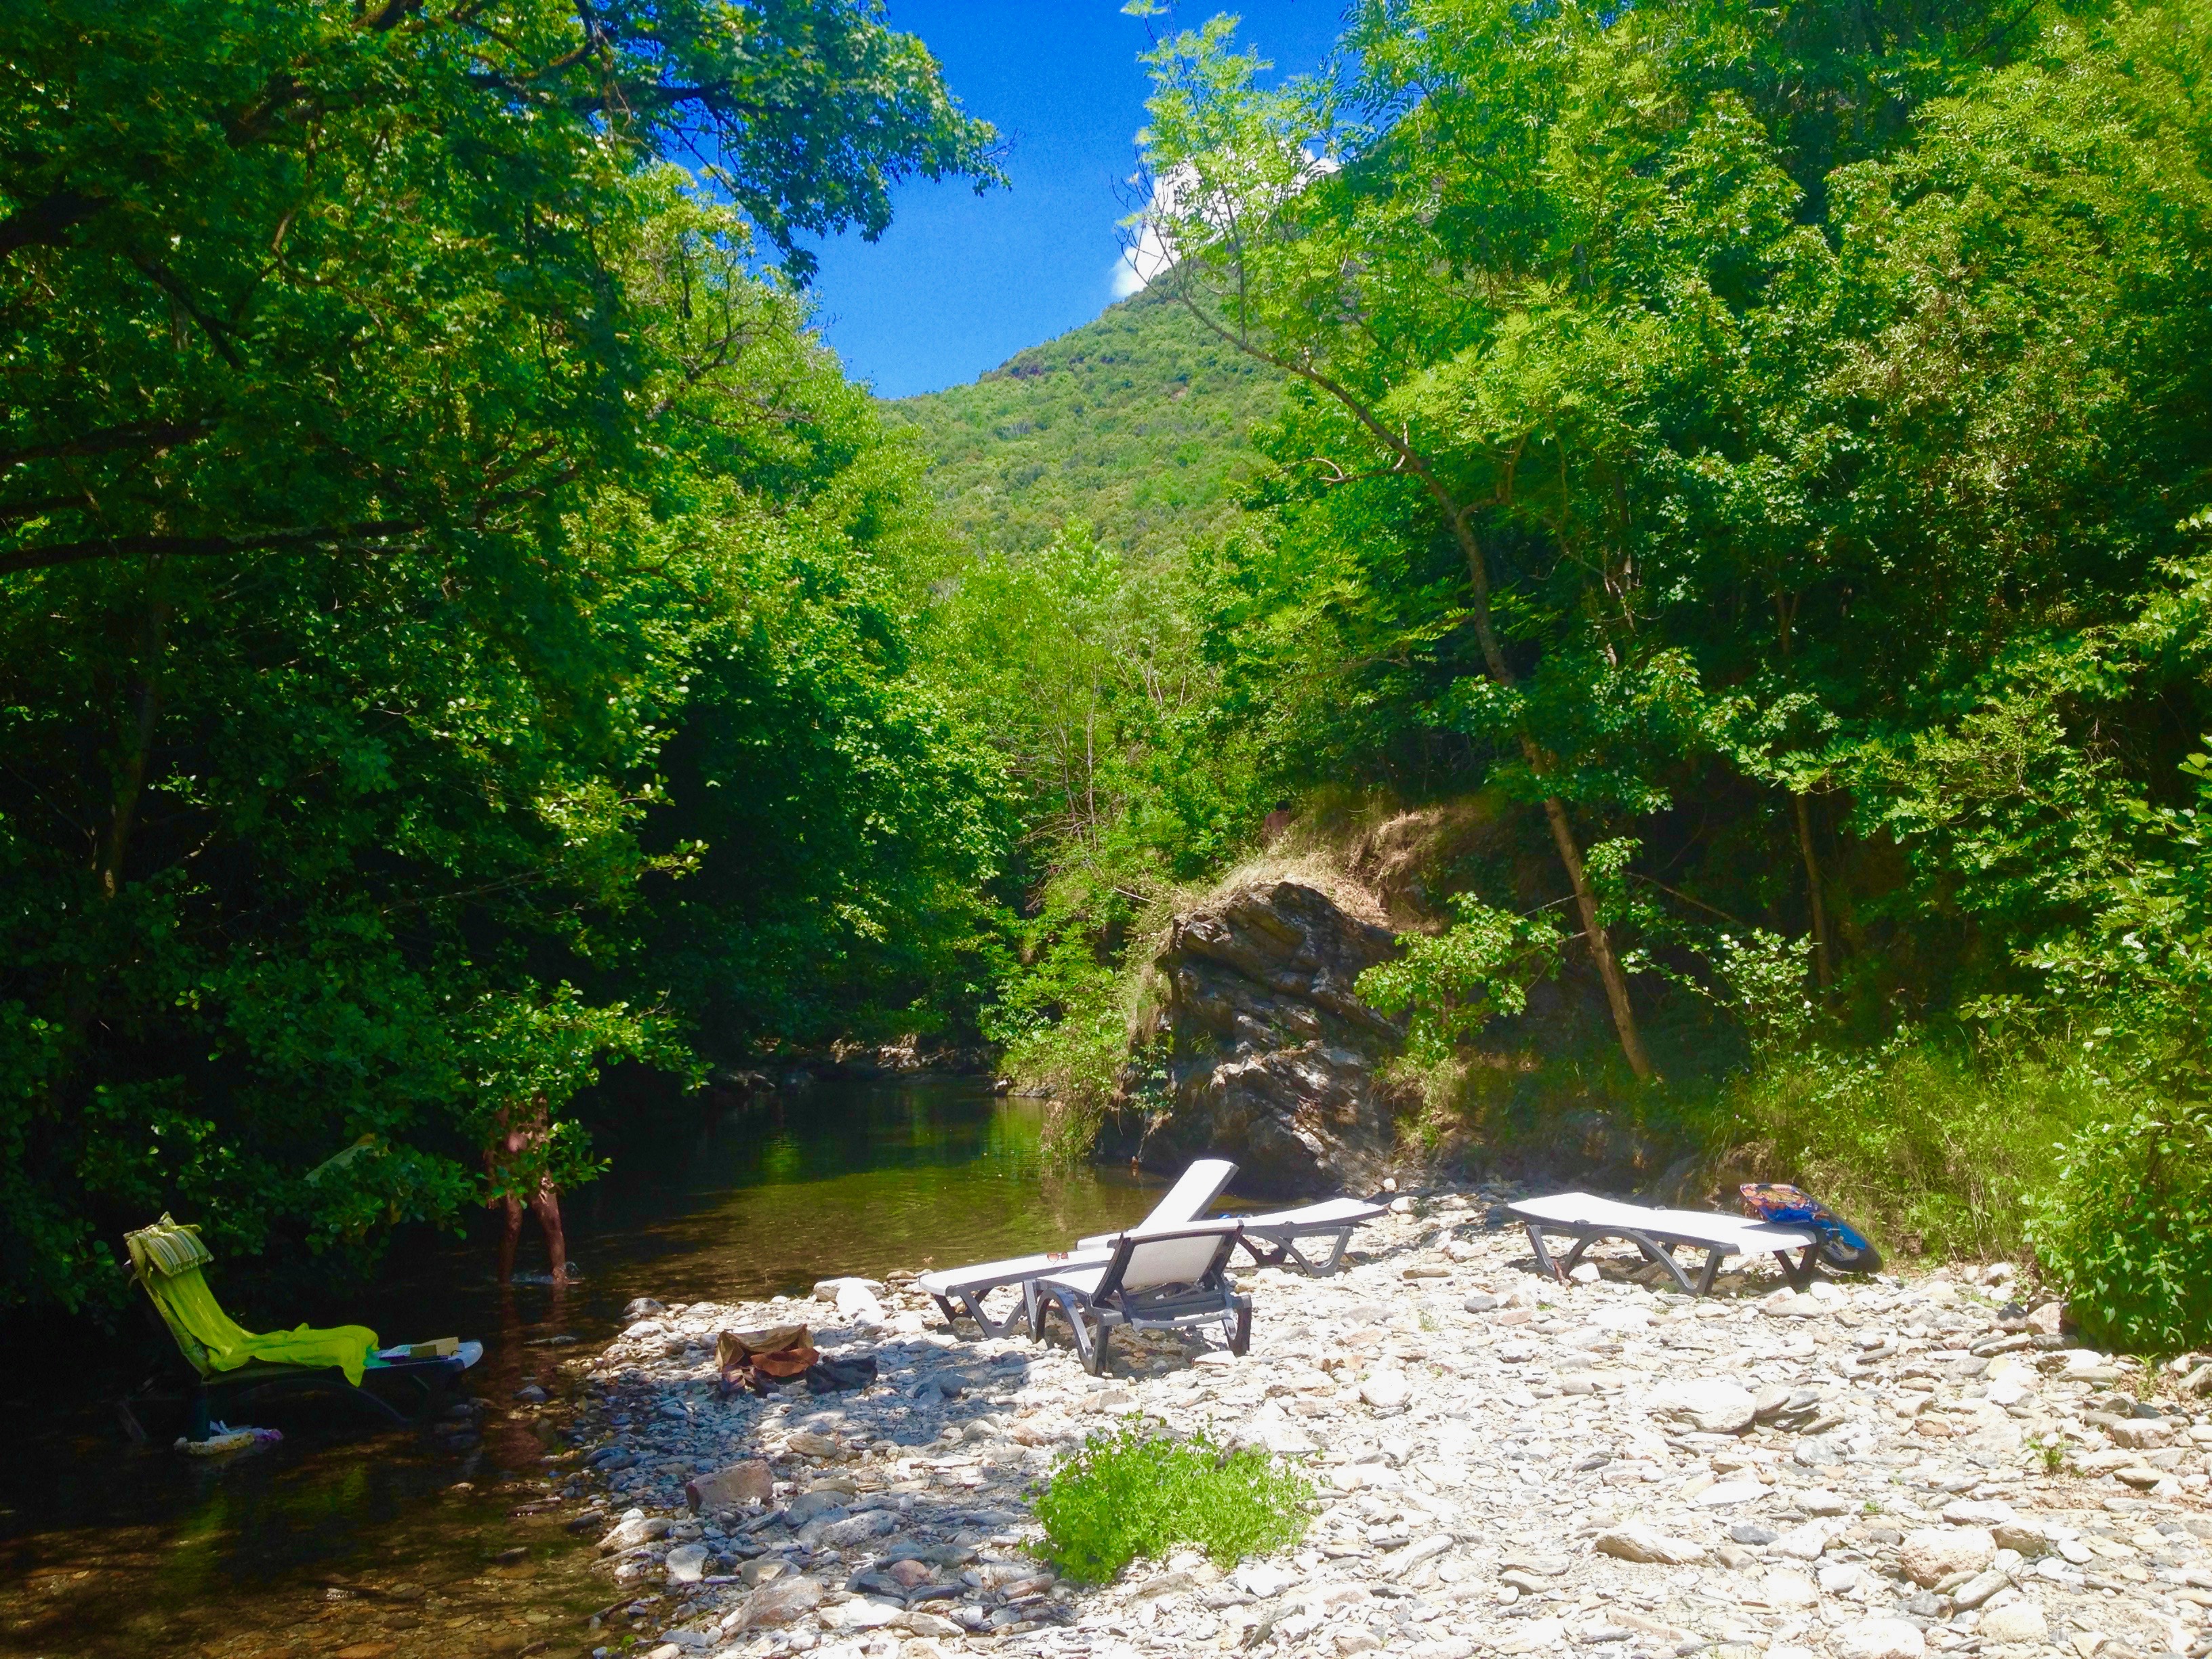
column 1269, row 1056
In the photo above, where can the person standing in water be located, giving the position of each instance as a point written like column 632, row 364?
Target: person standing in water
column 518, row 1163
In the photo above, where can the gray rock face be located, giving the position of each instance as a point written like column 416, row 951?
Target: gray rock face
column 1270, row 1056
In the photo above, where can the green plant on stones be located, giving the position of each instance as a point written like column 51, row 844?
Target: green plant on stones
column 2052, row 1452
column 1130, row 1493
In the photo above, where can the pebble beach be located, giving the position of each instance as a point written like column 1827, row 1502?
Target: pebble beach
column 1602, row 1469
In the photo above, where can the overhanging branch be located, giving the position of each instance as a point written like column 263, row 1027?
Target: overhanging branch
column 54, row 553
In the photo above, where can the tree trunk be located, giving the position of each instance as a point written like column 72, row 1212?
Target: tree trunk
column 1601, row 944
column 81, row 987
column 1555, row 810
column 1493, row 655
column 123, row 813
column 1785, row 620
column 1823, row 970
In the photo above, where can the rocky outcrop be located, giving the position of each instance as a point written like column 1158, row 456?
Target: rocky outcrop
column 1258, row 1049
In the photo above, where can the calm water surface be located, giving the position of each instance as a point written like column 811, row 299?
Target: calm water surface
column 387, row 1546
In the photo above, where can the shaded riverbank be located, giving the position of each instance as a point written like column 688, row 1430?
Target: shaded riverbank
column 334, row 1539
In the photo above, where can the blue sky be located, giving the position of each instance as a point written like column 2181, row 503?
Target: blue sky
column 959, row 282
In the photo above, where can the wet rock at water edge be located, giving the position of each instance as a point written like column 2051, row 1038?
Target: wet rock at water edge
column 779, row 1602
column 739, row 1485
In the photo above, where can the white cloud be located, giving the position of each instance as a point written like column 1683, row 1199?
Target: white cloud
column 1149, row 256
column 1144, row 261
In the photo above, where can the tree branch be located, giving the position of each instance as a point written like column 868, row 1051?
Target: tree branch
column 196, row 547
column 140, row 435
column 44, row 220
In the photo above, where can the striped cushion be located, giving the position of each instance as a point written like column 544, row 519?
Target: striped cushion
column 167, row 1248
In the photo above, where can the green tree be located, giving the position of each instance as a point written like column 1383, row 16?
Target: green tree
column 399, row 454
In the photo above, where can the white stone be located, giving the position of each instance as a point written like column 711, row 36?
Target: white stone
column 1978, row 1589
column 1967, row 1512
column 1271, row 1430
column 634, row 1528
column 1536, row 1635
column 2021, row 1621
column 1802, row 1543
column 1638, row 1543
column 1931, row 1555
column 686, row 1564
column 1879, row 1638
column 857, row 1303
column 1385, row 1390
column 1709, row 1405
column 859, row 1613
column 1264, row 1580
column 1785, row 1588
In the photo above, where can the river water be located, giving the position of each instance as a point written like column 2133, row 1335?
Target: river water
column 390, row 1546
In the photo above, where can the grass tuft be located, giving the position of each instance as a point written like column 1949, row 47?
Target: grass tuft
column 1130, row 1493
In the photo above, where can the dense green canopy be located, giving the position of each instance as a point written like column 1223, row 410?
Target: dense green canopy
column 1770, row 439
column 459, row 626
column 454, row 621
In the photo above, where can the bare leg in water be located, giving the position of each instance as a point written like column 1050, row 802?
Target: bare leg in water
column 546, row 1205
column 508, row 1239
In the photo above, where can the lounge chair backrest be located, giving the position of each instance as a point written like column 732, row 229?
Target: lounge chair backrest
column 1185, row 1256
column 1191, row 1196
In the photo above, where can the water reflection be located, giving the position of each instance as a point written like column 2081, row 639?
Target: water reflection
column 394, row 1546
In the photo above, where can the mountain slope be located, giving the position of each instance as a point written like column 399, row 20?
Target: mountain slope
column 1138, row 422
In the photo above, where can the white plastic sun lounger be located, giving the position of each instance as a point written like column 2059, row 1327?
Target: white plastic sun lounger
column 961, row 1290
column 1154, row 1281
column 1586, row 1219
column 1272, row 1239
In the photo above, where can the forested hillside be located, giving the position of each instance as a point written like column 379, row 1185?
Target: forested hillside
column 1758, row 459
column 460, row 628
column 1137, row 424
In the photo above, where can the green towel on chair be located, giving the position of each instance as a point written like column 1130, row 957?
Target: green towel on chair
column 210, row 1339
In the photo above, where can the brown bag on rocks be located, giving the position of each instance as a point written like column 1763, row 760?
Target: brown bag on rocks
column 754, row 1359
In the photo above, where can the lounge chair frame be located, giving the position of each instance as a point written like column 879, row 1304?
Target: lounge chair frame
column 1658, row 1234
column 1093, row 1313
column 1272, row 1240
column 432, row 1381
column 964, row 1294
column 959, row 1292
column 261, row 1380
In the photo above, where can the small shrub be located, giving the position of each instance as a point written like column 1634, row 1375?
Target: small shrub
column 2127, row 1231
column 1131, row 1492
